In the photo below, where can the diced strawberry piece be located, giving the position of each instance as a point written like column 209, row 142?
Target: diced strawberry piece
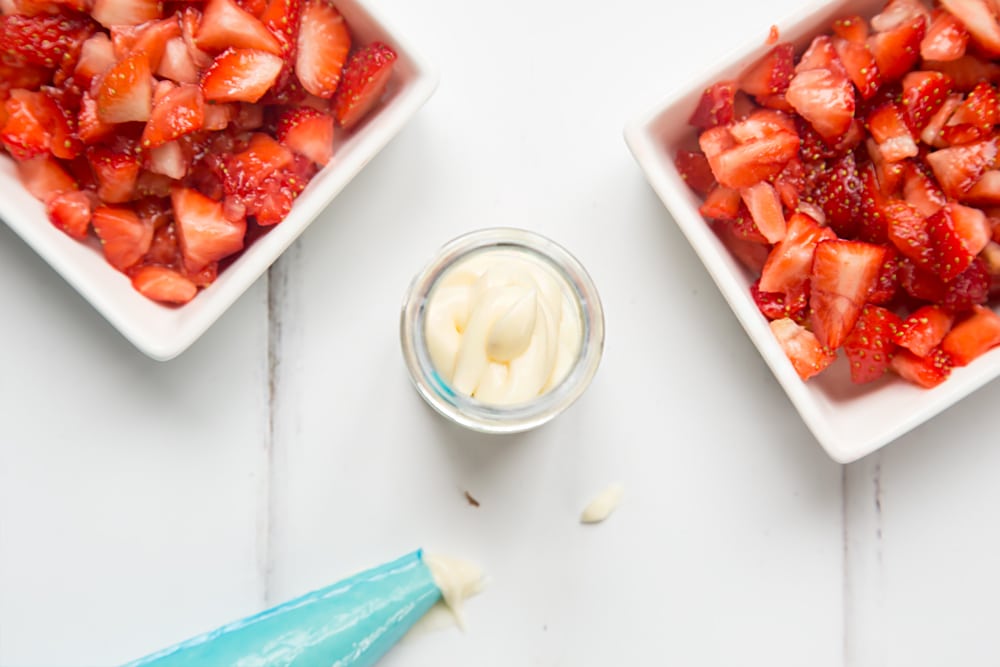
column 924, row 329
column 908, row 232
column 820, row 55
column 284, row 18
column 743, row 165
column 218, row 116
column 860, row 66
column 240, row 75
column 190, row 20
column 837, row 190
column 889, row 175
column 692, row 166
column 96, row 57
column 149, row 184
column 946, row 38
column 790, row 261
column 870, row 345
column 760, row 124
column 973, row 336
column 887, row 285
column 986, row 191
column 322, row 51
column 71, row 211
column 366, row 76
column 979, row 19
column 921, row 191
column 971, row 225
column 125, row 238
column 897, row 50
column 309, row 133
column 872, row 225
column 825, row 99
column 775, row 305
column 750, row 254
column 116, row 172
column 44, row 177
column 923, row 95
column 715, row 107
column 933, row 134
column 975, row 117
column 897, row 13
column 888, row 127
column 152, row 39
column 25, row 132
column 91, row 128
column 164, row 250
column 160, row 283
column 802, row 348
column 126, row 12
column 225, row 25
column 843, row 274
column 969, row 288
column 176, row 63
column 179, row 112
column 203, row 232
column 958, row 168
column 169, row 160
column 126, row 91
column 46, row 40
column 272, row 200
column 765, row 208
column 721, row 203
column 927, row 372
column 245, row 171
column 771, row 74
column 966, row 71
column 851, row 28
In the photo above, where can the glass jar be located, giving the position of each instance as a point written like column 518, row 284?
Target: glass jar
column 467, row 410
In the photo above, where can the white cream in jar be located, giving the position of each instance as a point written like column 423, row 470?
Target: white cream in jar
column 502, row 326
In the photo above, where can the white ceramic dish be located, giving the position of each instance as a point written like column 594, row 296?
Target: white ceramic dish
column 849, row 420
column 164, row 332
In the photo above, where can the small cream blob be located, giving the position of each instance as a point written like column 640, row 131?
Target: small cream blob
column 601, row 507
column 503, row 327
column 457, row 580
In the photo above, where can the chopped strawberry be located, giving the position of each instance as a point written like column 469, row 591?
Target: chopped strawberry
column 176, row 63
column 126, row 12
column 889, row 175
column 979, row 19
column 851, row 28
column 169, row 160
column 771, row 74
column 888, row 127
column 765, row 208
column 966, row 71
column 71, row 212
column 25, row 132
column 323, row 45
column 908, row 232
column 125, row 238
column 91, row 128
column 46, row 40
column 116, row 171
column 975, row 117
column 226, row 25
column 924, row 329
column 715, row 107
column 897, row 50
column 898, row 12
column 273, row 198
column 843, row 273
column 44, row 177
column 986, row 191
column 218, row 116
column 820, row 55
column 926, row 372
column 366, row 76
column 203, row 232
column 750, row 254
column 921, row 191
column 721, row 203
column 887, row 285
column 872, row 224
column 825, row 99
column 958, row 168
column 837, row 188
column 860, row 66
column 946, row 38
column 933, row 134
column 802, row 348
column 790, row 261
column 126, row 91
column 870, row 345
column 163, row 284
column 742, row 165
column 96, row 57
column 971, row 225
column 308, row 132
column 969, row 288
column 775, row 305
column 179, row 112
column 284, row 18
column 923, row 95
column 973, row 336
column 240, row 75
column 693, row 168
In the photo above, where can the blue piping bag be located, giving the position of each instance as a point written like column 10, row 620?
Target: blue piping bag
column 351, row 623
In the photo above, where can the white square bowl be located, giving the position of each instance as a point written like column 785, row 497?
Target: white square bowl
column 848, row 420
column 163, row 332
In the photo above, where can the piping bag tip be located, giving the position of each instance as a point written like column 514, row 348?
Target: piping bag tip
column 351, row 623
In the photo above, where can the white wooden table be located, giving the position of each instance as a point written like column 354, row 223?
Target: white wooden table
column 142, row 502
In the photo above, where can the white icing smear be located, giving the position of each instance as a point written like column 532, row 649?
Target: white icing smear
column 601, row 507
column 503, row 327
column 457, row 580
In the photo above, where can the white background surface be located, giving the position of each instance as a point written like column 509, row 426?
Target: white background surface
column 142, row 502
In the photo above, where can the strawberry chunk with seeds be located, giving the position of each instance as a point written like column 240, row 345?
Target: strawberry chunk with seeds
column 180, row 111
column 125, row 238
column 790, row 261
column 843, row 274
column 116, row 171
column 921, row 191
column 946, row 38
column 975, row 117
column 225, row 25
column 46, row 40
column 126, row 91
column 924, row 329
column 825, row 99
column 851, row 28
column 721, row 203
column 163, row 284
column 908, row 232
column 888, row 127
column 366, row 76
column 308, row 132
column 860, row 66
column 240, row 75
column 959, row 167
column 203, row 232
column 25, row 132
column 897, row 50
column 715, row 107
column 775, row 305
column 966, row 71
column 693, row 167
column 802, row 348
column 923, row 95
column 950, row 255
column 870, row 345
column 322, row 50
column 764, row 205
column 71, row 212
column 44, row 177
column 898, row 12
column 973, row 336
column 126, row 12
column 927, row 372
column 979, row 19
column 971, row 225
column 771, row 74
